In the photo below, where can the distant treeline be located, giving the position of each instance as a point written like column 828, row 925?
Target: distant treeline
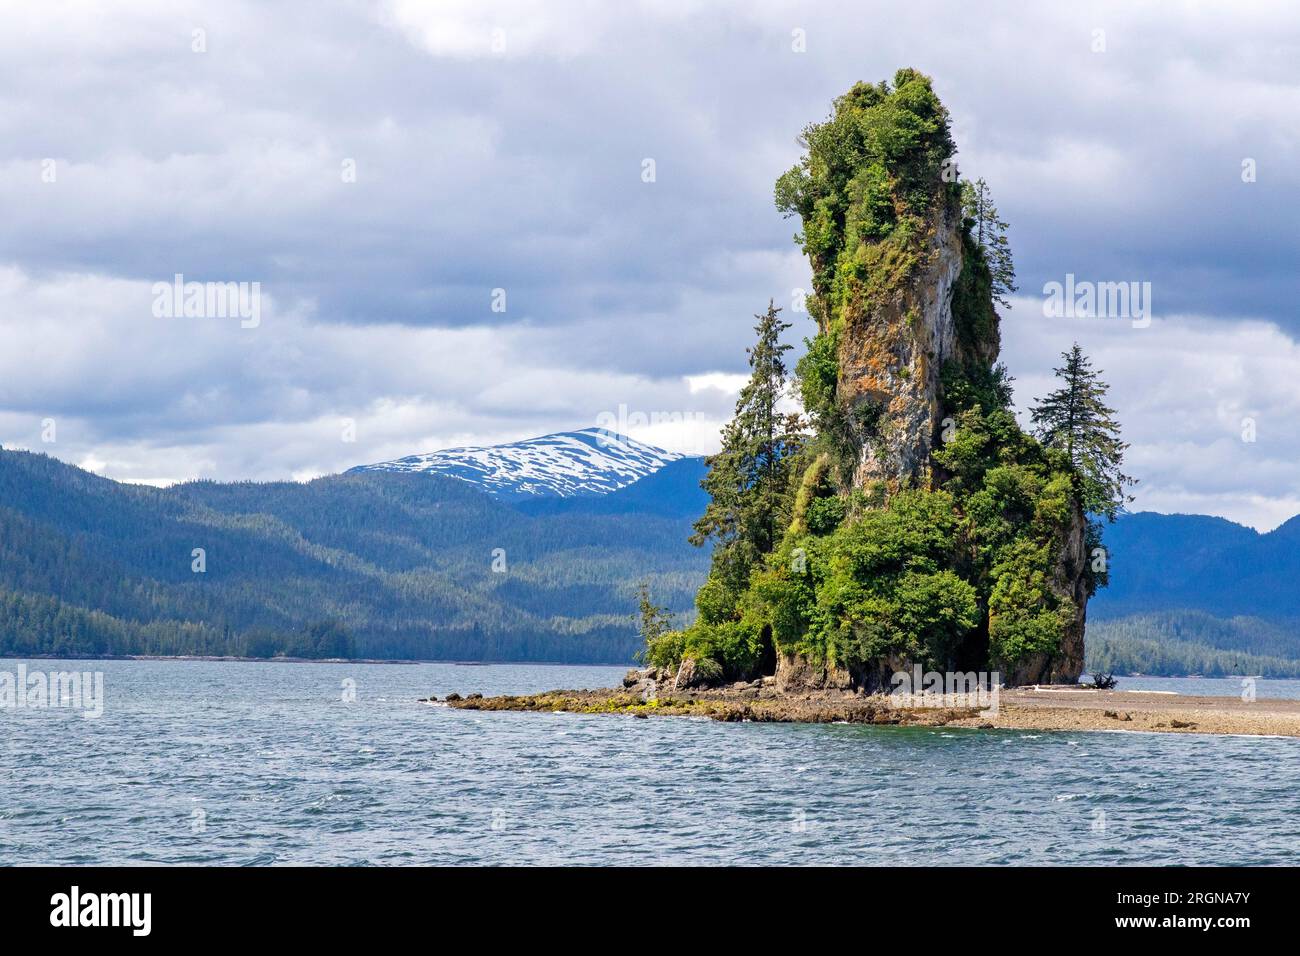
column 401, row 566
column 370, row 565
column 1176, row 643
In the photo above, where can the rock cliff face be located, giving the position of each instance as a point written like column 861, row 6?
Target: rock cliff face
column 903, row 294
column 890, row 359
column 1069, row 580
column 891, row 356
column 923, row 527
column 795, row 673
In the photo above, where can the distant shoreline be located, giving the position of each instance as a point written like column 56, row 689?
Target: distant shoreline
column 468, row 663
column 287, row 660
column 1060, row 708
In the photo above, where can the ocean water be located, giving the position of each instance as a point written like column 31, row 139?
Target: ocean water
column 1212, row 686
column 339, row 764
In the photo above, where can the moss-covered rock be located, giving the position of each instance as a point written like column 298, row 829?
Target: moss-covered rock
column 925, row 526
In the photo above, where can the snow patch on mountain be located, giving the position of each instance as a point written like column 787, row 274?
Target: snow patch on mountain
column 592, row 461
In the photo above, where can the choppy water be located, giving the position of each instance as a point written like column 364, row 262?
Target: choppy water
column 242, row 763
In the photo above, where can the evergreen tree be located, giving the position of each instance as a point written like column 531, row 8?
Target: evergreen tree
column 1076, row 420
column 990, row 233
column 656, row 620
column 748, row 478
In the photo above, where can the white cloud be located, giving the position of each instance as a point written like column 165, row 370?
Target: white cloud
column 1184, row 389
column 728, row 383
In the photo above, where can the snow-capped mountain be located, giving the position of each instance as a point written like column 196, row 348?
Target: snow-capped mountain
column 592, row 461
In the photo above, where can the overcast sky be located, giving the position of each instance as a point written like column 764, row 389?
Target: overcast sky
column 381, row 168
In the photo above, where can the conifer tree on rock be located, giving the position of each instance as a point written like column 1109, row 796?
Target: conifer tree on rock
column 1076, row 420
column 748, row 477
column 989, row 232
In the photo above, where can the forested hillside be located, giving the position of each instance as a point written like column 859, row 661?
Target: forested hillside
column 1193, row 594
column 373, row 565
column 1196, row 562
column 394, row 565
column 1193, row 642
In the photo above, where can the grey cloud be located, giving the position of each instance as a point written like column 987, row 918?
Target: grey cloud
column 521, row 170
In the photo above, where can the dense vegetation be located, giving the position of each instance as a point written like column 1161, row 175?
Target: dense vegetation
column 373, row 565
column 949, row 567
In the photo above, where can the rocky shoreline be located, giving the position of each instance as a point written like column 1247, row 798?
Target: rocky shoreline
column 1024, row 708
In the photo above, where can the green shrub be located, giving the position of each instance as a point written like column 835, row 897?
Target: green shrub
column 708, row 671
column 666, row 650
column 715, row 601
column 824, row 515
column 735, row 646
